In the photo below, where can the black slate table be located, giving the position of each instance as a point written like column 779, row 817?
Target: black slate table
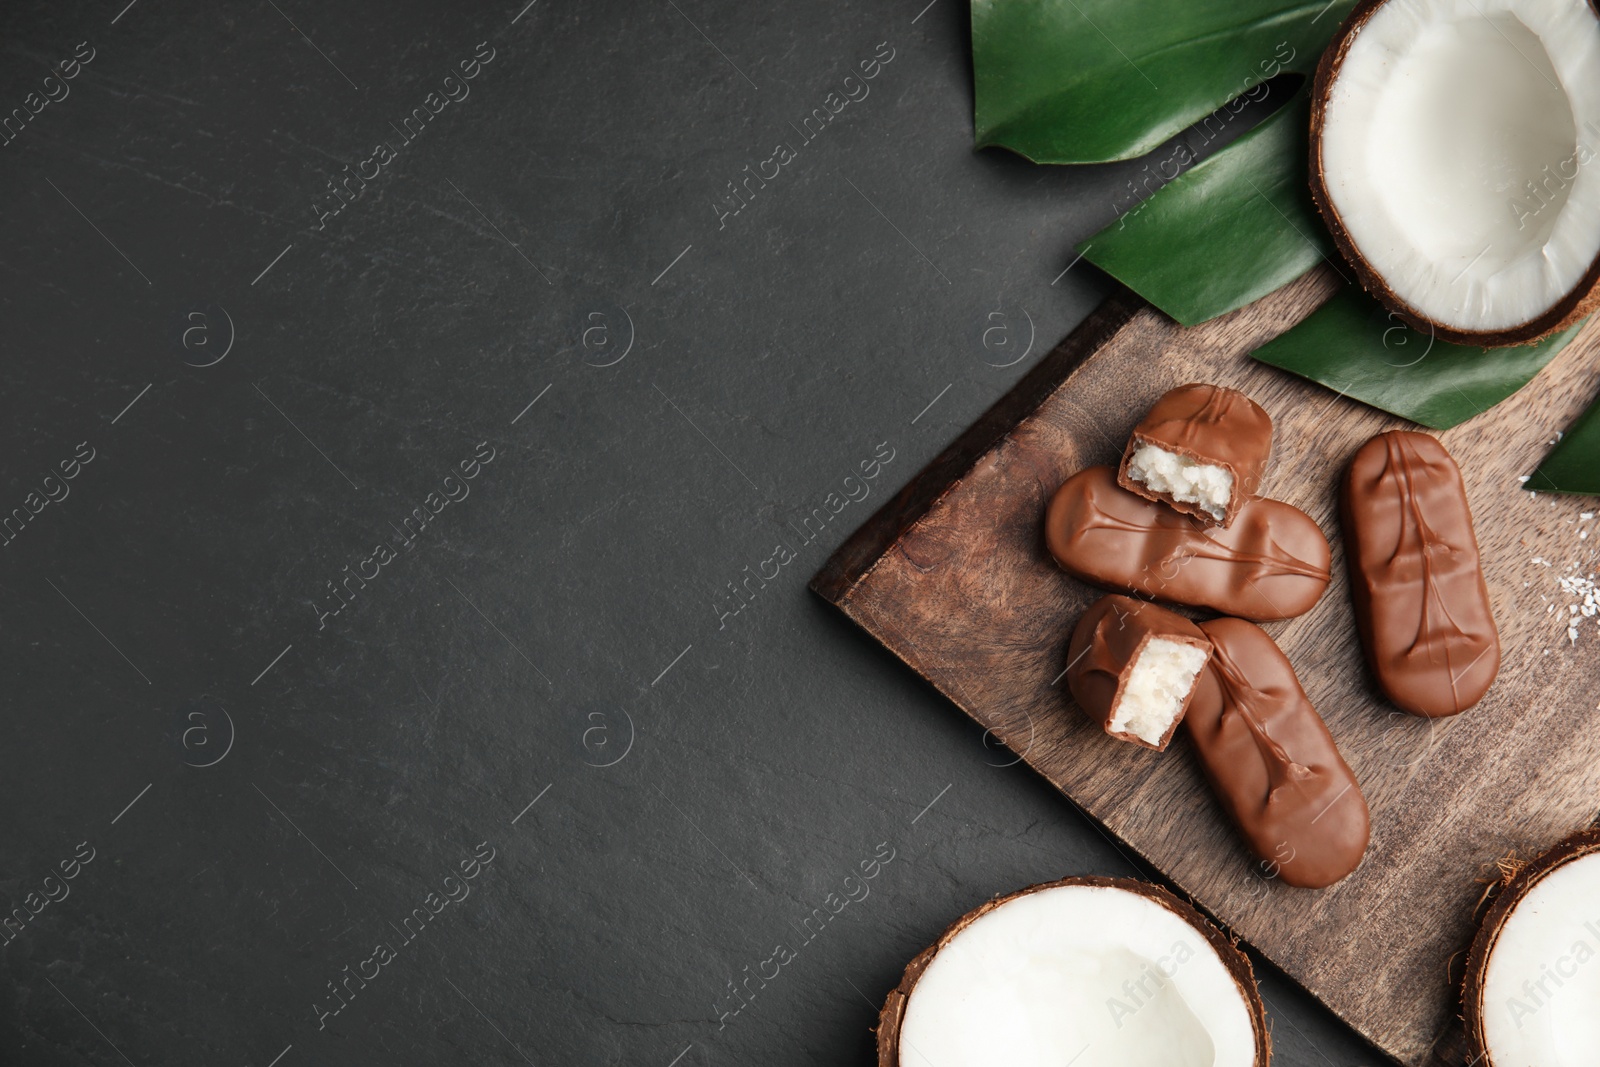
column 420, row 424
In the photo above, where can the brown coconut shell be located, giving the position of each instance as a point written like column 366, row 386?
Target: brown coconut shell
column 1510, row 894
column 1238, row 964
column 1575, row 305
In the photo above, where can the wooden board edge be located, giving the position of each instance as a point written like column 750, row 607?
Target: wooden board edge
column 853, row 559
column 850, row 564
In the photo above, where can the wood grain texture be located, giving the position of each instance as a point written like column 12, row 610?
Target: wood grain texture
column 953, row 577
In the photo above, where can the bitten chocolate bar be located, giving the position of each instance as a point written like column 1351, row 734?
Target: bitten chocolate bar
column 1422, row 607
column 1132, row 667
column 1202, row 449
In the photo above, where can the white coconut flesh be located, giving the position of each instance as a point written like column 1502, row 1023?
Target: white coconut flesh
column 1541, row 984
column 1183, row 478
column 1093, row 976
column 1458, row 148
column 1156, row 689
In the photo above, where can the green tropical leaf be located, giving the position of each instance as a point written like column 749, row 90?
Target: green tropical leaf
column 1230, row 230
column 1573, row 466
column 1354, row 346
column 1087, row 81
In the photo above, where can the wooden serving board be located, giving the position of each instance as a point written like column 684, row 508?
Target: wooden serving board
column 952, row 575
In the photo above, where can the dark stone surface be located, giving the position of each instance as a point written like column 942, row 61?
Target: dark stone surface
column 268, row 793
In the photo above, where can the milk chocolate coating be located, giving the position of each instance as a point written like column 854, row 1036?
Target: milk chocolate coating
column 1105, row 644
column 1210, row 424
column 1272, row 762
column 1272, row 563
column 1421, row 603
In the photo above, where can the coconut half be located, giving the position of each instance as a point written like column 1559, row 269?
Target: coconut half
column 1532, row 987
column 1095, row 972
column 1454, row 146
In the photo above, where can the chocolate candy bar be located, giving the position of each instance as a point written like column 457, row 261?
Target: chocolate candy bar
column 1422, row 607
column 1271, row 563
column 1202, row 449
column 1132, row 667
column 1272, row 762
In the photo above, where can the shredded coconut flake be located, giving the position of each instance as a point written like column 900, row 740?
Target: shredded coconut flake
column 1578, row 582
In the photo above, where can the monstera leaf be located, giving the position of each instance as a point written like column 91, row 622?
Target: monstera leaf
column 1354, row 346
column 1087, row 81
column 1574, row 465
column 1228, row 231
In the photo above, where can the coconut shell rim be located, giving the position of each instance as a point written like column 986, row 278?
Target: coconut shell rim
column 1577, row 303
column 1573, row 847
column 1227, row 949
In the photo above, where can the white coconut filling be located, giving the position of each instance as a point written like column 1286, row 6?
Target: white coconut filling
column 1183, row 478
column 1093, row 976
column 1156, row 687
column 1542, row 982
column 1457, row 148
